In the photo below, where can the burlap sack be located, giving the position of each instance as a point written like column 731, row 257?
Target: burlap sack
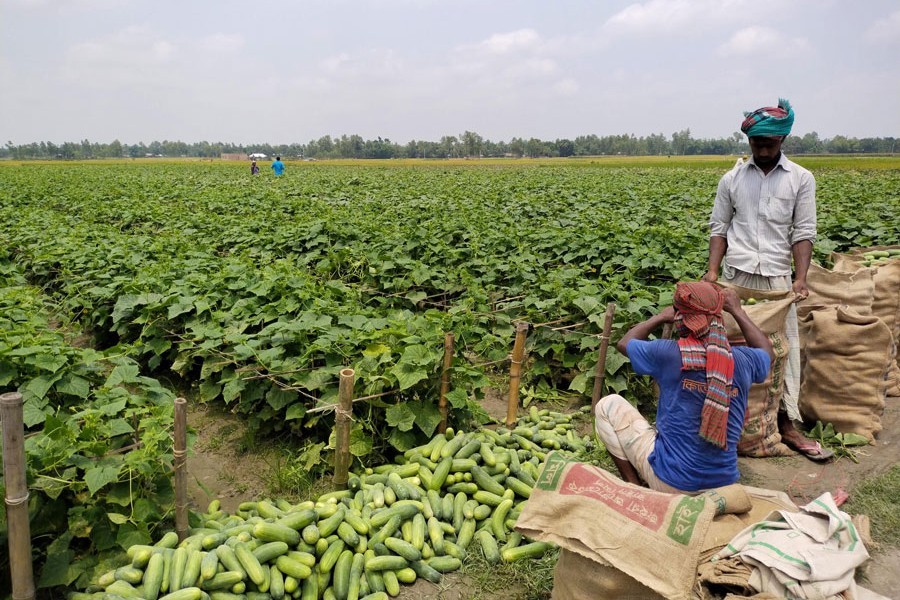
column 885, row 299
column 855, row 289
column 761, row 436
column 653, row 537
column 577, row 577
column 847, row 358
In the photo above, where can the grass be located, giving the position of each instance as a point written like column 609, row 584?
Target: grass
column 530, row 579
column 878, row 498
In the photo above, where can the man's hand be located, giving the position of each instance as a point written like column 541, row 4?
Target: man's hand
column 732, row 301
column 667, row 314
column 711, row 277
column 801, row 291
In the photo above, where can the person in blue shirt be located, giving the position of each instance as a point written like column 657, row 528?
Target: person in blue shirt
column 278, row 166
column 703, row 385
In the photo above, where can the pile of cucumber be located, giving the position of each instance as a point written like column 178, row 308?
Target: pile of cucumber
column 873, row 258
column 394, row 524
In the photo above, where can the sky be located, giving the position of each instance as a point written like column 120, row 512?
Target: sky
column 294, row 71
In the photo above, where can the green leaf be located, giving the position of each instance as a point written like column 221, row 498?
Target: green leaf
column 129, row 535
column 402, row 440
column 56, row 566
column 400, row 416
column 117, row 518
column 99, row 476
column 587, row 304
column 360, row 441
column 123, row 374
column 295, row 411
column 73, row 385
column 458, row 398
column 428, row 417
column 408, row 374
column 579, row 383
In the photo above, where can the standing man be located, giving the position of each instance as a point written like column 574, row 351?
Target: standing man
column 763, row 219
column 278, row 166
column 703, row 387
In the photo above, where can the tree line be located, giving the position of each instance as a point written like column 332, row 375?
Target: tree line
column 466, row 145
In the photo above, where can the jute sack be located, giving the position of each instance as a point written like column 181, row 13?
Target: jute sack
column 761, row 437
column 847, row 358
column 653, row 537
column 577, row 577
column 885, row 299
column 855, row 289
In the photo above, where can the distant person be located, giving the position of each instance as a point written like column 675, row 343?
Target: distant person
column 254, row 169
column 278, row 167
column 703, row 387
column 763, row 220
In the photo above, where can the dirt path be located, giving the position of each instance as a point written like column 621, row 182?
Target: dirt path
column 221, row 467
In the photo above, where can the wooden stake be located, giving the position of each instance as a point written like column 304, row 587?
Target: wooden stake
column 600, row 369
column 515, row 373
column 445, row 380
column 19, row 529
column 180, row 464
column 342, row 417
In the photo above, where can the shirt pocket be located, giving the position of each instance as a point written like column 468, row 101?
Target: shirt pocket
column 779, row 209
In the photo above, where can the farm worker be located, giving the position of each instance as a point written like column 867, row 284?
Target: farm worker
column 254, row 170
column 278, row 166
column 703, row 386
column 764, row 215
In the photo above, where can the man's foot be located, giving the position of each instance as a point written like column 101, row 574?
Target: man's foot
column 840, row 496
column 811, row 449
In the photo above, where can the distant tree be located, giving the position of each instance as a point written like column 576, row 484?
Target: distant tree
column 565, row 148
column 471, row 143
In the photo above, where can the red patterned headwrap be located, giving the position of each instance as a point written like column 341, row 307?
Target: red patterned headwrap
column 704, row 346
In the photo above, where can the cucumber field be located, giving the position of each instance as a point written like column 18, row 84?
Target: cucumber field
column 124, row 284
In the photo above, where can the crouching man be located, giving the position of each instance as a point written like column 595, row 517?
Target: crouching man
column 703, row 385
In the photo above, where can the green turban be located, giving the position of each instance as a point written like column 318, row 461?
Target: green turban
column 769, row 121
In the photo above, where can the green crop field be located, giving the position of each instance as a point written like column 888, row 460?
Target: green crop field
column 124, row 283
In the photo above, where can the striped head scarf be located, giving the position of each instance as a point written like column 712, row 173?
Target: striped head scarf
column 769, row 121
column 704, row 346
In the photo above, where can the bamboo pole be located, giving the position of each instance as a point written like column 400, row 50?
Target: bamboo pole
column 180, row 464
column 445, row 380
column 600, row 369
column 19, row 528
column 515, row 373
column 343, row 416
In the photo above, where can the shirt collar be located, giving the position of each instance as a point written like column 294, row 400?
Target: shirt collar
column 783, row 162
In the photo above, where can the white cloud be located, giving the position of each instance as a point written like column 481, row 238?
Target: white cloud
column 522, row 40
column 674, row 16
column 222, row 43
column 134, row 55
column 885, row 31
column 762, row 42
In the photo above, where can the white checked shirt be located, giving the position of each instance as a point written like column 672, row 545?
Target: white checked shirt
column 763, row 216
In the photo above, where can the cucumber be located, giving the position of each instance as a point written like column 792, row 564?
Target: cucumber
column 488, row 546
column 192, row 569
column 191, row 593
column 269, row 551
column 223, row 581
column 153, row 576
column 444, row 564
column 330, row 524
column 292, row 567
column 179, row 560
column 388, row 562
column 273, row 532
column 310, row 589
column 129, row 574
column 419, row 531
column 356, row 577
column 424, row 571
column 276, row 583
column 498, row 519
column 406, row 575
column 341, row 577
column 229, row 560
column 485, row 482
column 403, row 548
column 356, row 522
column 391, row 583
column 330, row 556
column 347, row 533
column 532, row 550
column 250, row 564
column 169, row 540
column 298, row 519
column 436, row 536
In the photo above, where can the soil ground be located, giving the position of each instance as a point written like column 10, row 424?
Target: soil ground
column 220, row 468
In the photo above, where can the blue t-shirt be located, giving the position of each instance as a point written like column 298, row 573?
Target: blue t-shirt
column 681, row 457
column 278, row 167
